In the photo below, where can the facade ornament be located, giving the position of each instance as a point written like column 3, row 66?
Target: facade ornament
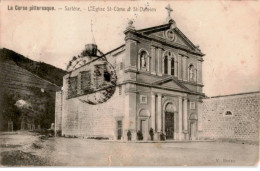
column 169, row 18
column 130, row 25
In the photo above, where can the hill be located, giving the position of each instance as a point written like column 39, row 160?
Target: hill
column 41, row 69
column 27, row 93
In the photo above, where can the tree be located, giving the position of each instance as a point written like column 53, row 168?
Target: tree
column 9, row 111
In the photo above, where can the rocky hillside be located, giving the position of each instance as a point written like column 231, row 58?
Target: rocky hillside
column 27, row 94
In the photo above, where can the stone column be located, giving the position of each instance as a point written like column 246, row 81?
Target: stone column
column 179, row 67
column 180, row 118
column 159, row 64
column 153, row 112
column 184, row 68
column 159, row 113
column 185, row 118
column 169, row 66
column 153, row 60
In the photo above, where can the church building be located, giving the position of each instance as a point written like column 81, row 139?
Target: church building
column 153, row 80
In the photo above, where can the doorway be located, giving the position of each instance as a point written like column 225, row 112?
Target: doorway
column 169, row 125
column 119, row 129
column 143, row 128
column 193, row 130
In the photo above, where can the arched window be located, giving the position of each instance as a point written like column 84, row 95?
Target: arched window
column 165, row 65
column 144, row 61
column 228, row 113
column 169, row 63
column 192, row 73
column 172, row 66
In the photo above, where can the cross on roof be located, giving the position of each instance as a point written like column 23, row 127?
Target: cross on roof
column 169, row 10
column 91, row 25
column 93, row 38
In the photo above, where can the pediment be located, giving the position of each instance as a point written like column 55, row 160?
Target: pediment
column 176, row 40
column 171, row 82
column 173, row 36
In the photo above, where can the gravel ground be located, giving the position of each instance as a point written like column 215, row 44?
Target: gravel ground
column 28, row 149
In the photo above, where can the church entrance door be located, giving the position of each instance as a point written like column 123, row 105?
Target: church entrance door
column 169, row 125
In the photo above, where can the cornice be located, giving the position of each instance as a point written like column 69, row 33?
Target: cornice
column 160, row 87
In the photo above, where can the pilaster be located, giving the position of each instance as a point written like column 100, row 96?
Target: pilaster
column 185, row 118
column 148, row 64
column 199, row 72
column 153, row 60
column 159, row 113
column 130, row 60
column 179, row 67
column 180, row 118
column 176, row 66
column 159, row 66
column 184, row 68
column 153, row 111
column 169, row 66
column 130, row 110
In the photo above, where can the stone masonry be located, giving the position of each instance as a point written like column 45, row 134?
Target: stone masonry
column 231, row 116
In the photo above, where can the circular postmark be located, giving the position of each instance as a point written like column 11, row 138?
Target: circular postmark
column 92, row 78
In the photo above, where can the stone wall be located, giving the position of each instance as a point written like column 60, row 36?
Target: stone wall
column 85, row 120
column 242, row 124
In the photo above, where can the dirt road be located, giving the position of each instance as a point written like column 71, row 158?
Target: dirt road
column 24, row 148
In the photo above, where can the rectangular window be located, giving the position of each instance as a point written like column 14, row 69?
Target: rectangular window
column 143, row 99
column 120, row 90
column 72, row 86
column 192, row 105
column 85, row 82
column 99, row 75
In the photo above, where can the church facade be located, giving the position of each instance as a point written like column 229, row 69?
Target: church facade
column 158, row 85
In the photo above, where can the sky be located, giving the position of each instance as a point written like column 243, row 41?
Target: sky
column 226, row 31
